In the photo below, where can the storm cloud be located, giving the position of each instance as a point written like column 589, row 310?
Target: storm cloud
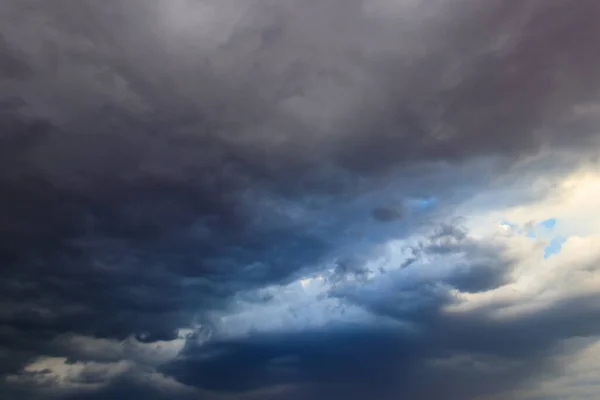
column 282, row 199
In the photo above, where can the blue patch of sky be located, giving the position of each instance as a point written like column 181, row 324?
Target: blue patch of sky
column 512, row 226
column 556, row 242
column 422, row 204
column 427, row 203
column 555, row 246
column 549, row 223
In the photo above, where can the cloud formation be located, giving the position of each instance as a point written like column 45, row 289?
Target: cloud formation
column 289, row 199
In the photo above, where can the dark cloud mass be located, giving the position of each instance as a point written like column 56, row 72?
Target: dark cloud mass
column 160, row 160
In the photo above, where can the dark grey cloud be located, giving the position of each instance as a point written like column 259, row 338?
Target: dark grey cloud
column 382, row 363
column 386, row 214
column 417, row 350
column 157, row 158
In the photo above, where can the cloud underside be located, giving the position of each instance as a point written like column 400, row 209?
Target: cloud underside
column 259, row 199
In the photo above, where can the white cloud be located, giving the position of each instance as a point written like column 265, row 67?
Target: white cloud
column 59, row 377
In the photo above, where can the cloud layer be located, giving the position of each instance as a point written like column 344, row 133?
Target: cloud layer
column 289, row 199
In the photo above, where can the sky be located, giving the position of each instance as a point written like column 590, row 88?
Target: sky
column 299, row 199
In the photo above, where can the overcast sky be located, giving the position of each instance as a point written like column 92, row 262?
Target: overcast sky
column 299, row 199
